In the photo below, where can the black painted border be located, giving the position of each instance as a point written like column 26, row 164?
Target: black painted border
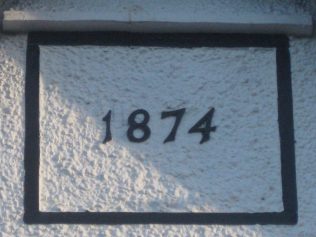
column 32, row 214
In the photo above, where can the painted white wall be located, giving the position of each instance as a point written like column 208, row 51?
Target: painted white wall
column 12, row 73
column 78, row 85
column 281, row 17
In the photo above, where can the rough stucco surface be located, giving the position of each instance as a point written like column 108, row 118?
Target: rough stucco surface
column 12, row 69
column 80, row 84
column 303, row 53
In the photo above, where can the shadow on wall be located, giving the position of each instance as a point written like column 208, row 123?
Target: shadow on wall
column 78, row 85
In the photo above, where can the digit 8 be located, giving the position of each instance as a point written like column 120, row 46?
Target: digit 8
column 134, row 125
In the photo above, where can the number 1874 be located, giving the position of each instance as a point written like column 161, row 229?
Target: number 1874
column 202, row 126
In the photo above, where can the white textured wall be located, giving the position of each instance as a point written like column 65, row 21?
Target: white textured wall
column 78, row 85
column 12, row 73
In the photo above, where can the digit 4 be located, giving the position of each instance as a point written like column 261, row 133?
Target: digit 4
column 204, row 126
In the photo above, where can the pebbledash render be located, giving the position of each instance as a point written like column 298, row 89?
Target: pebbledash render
column 157, row 119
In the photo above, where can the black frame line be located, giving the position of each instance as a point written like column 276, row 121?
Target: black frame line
column 32, row 214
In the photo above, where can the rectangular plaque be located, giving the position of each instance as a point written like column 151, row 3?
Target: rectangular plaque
column 129, row 128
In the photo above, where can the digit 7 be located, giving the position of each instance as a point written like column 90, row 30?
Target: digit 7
column 178, row 114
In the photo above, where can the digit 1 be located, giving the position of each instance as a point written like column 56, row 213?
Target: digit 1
column 178, row 114
column 108, row 135
column 205, row 130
